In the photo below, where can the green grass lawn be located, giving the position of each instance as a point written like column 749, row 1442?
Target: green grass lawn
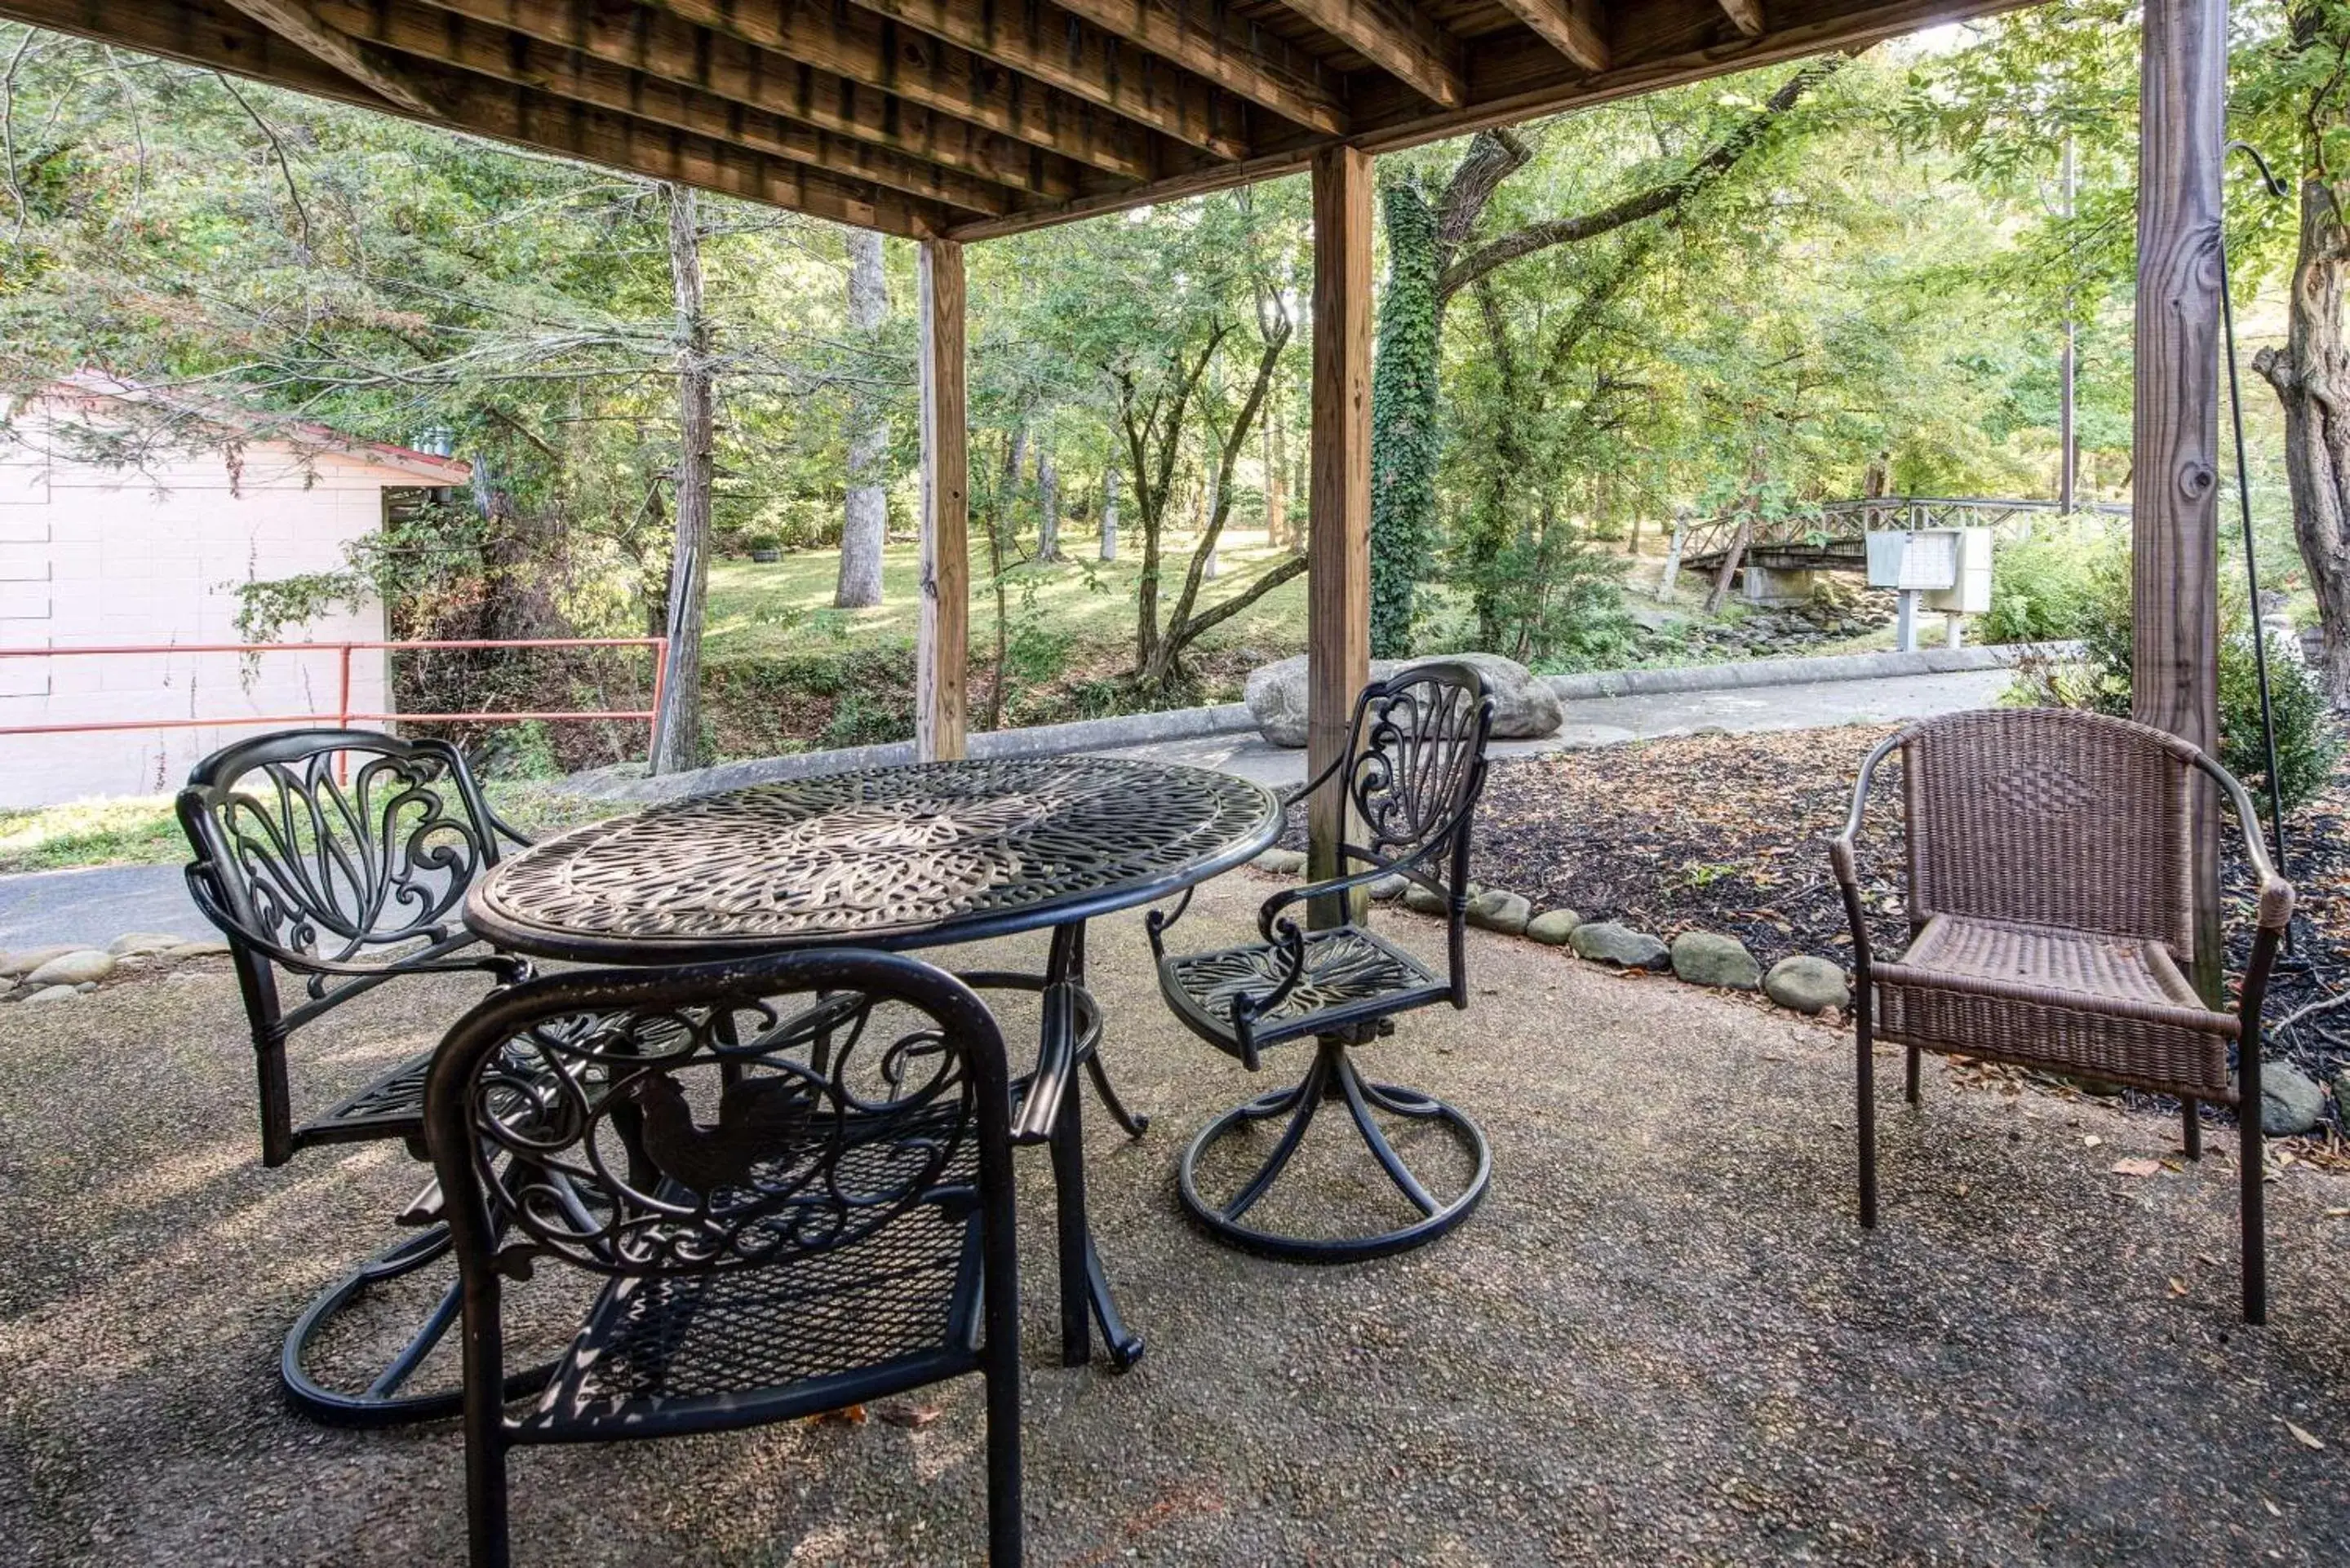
column 785, row 607
column 141, row 829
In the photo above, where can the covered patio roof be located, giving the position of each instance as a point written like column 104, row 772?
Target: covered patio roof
column 965, row 118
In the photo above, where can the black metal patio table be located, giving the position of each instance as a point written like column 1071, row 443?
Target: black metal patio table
column 924, row 856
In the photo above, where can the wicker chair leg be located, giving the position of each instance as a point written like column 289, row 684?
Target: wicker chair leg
column 2252, row 1161
column 2190, row 1127
column 1865, row 1047
column 1910, row 1082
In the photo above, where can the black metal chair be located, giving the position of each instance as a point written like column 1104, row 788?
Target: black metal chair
column 793, row 1174
column 340, row 859
column 1412, row 773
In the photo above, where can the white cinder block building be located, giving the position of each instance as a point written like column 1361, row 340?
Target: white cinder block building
column 125, row 520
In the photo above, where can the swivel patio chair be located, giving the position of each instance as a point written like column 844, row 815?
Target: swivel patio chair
column 339, row 860
column 792, row 1176
column 1413, row 770
column 2050, row 908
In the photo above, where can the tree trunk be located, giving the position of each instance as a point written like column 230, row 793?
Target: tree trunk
column 1276, row 480
column 1048, row 505
column 2310, row 374
column 1719, row 595
column 677, row 730
column 1109, row 513
column 1212, row 503
column 865, row 526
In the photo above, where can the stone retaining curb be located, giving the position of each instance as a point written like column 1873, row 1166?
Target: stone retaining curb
column 1793, row 671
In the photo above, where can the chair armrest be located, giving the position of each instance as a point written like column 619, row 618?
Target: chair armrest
column 2276, row 896
column 510, row 970
column 1843, row 851
column 1056, row 1068
column 1307, row 789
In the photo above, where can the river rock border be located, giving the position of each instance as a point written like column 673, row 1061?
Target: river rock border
column 1804, row 982
column 67, row 973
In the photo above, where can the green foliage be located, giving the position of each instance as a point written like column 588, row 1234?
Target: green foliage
column 2308, row 743
column 2043, row 588
column 1404, row 435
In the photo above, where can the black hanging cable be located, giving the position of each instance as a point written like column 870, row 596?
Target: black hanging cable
column 2277, row 190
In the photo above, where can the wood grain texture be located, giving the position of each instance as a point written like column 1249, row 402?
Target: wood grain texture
column 446, row 39
column 942, row 646
column 1394, row 35
column 1576, row 28
column 299, row 25
column 2175, row 486
column 658, row 44
column 1209, row 40
column 1049, row 45
column 1746, row 15
column 1338, row 542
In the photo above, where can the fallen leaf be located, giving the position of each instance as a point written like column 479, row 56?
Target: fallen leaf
column 2272, row 1508
column 2092, row 1141
column 846, row 1415
column 2206, row 1258
column 2177, row 1286
column 913, row 1416
column 2336, row 1213
column 2307, row 1440
column 2138, row 1167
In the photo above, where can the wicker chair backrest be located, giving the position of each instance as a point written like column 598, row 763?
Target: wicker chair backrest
column 2052, row 816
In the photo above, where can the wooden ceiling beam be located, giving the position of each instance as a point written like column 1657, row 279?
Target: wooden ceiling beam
column 1206, row 38
column 1576, row 28
column 1394, row 35
column 213, row 34
column 450, row 40
column 1046, row 44
column 298, row 24
column 1746, row 15
column 841, row 67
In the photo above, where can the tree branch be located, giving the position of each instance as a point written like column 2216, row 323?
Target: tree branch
column 1720, row 159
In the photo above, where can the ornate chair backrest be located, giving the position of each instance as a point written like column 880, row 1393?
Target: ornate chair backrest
column 340, row 844
column 1415, row 771
column 2052, row 816
column 720, row 1117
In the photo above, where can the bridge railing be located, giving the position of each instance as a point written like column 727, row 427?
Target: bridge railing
column 1703, row 542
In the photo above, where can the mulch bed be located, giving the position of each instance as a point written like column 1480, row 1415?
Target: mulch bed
column 1729, row 834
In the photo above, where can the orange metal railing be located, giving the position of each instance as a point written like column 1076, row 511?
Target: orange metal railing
column 343, row 714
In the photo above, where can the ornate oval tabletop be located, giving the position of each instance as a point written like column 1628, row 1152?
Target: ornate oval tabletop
column 893, row 857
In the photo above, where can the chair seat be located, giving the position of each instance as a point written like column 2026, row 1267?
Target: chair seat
column 742, row 1345
column 1351, row 977
column 2108, row 1007
column 390, row 1107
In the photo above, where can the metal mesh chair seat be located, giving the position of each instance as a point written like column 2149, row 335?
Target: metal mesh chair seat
column 740, row 1346
column 1349, row 973
column 390, row 1107
column 2112, row 1007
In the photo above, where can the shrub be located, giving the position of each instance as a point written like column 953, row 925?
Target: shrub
column 2307, row 743
column 2042, row 589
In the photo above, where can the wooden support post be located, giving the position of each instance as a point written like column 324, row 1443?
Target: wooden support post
column 942, row 648
column 1338, row 549
column 2175, row 557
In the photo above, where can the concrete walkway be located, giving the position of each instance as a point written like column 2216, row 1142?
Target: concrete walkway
column 97, row 904
column 1612, row 721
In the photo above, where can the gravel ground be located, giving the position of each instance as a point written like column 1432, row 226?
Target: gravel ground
column 1663, row 1339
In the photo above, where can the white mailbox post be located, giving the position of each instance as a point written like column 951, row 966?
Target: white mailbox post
column 1948, row 569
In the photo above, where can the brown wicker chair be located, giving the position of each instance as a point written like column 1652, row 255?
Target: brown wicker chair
column 2051, row 918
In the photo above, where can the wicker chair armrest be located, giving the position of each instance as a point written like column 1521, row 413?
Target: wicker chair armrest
column 1842, row 849
column 2276, row 896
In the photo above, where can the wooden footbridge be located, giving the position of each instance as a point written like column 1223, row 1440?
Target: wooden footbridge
column 1833, row 536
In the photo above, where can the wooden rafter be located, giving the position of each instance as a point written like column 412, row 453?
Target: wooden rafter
column 1746, row 15
column 452, row 41
column 298, row 24
column 837, row 52
column 1047, row 44
column 1576, row 28
column 215, row 34
column 1394, row 35
column 1204, row 37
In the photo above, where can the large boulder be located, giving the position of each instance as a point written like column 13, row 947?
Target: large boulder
column 1524, row 707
